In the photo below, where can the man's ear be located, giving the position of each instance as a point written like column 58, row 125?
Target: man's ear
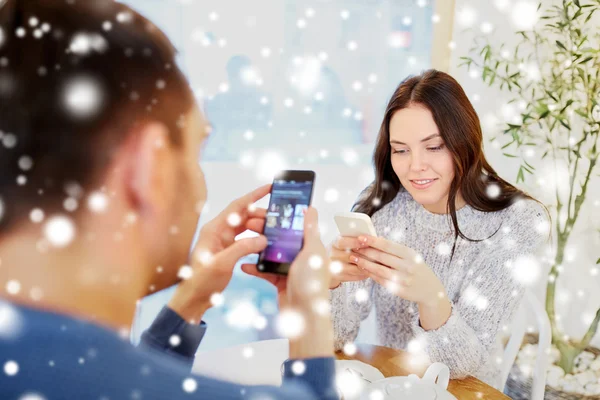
column 151, row 171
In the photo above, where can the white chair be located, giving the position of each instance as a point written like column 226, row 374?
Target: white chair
column 516, row 338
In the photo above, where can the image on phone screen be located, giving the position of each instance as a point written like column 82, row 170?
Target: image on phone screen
column 284, row 227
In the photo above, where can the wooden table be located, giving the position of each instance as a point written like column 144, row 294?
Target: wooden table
column 393, row 362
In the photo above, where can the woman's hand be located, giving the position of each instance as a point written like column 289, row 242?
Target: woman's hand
column 400, row 269
column 341, row 250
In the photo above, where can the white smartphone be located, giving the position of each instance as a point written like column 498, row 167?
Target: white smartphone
column 354, row 224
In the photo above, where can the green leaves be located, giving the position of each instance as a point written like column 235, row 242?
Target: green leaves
column 562, row 46
column 553, row 109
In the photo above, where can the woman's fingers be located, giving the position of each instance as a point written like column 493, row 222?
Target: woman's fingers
column 346, row 243
column 386, row 259
column 387, row 246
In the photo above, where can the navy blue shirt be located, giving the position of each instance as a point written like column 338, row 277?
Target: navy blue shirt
column 60, row 357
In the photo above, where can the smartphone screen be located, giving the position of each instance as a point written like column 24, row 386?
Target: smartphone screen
column 291, row 194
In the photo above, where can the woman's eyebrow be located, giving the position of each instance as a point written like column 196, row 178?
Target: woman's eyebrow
column 423, row 140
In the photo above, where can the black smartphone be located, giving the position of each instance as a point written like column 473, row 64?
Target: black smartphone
column 291, row 194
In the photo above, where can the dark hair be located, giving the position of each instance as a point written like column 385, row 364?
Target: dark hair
column 75, row 77
column 461, row 131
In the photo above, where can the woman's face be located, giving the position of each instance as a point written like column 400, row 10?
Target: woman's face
column 420, row 158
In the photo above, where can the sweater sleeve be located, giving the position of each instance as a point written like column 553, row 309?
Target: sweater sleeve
column 350, row 304
column 488, row 300
column 351, row 301
column 168, row 324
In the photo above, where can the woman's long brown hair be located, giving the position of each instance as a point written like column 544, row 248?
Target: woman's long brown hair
column 460, row 129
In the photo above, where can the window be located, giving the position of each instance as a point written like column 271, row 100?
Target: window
column 308, row 80
column 303, row 77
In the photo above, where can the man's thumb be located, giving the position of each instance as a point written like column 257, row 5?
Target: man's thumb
column 241, row 248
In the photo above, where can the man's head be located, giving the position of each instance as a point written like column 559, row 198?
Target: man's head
column 93, row 108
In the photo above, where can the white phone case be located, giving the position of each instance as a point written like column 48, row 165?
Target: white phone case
column 354, row 224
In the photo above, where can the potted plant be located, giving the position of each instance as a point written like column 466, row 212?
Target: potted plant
column 553, row 75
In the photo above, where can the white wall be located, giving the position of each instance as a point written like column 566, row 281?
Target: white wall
column 578, row 292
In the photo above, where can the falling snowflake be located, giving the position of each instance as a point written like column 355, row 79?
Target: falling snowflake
column 83, row 97
column 9, row 140
column 315, row 262
column 10, row 321
column 322, row 307
column 269, row 164
column 234, row 219
column 336, row 267
column 290, row 324
column 472, row 296
column 217, row 299
column 190, row 385
column 350, row 157
column 331, row 195
column 124, row 17
column 84, row 43
column 349, row 383
column 70, row 204
column 298, row 367
column 185, row 272
column 361, row 295
column 350, row 349
column 525, row 15
column 242, row 315
column 443, row 249
column 11, row 368
column 248, row 352
column 260, row 322
column 25, row 163
column 204, row 257
column 32, row 396
column 13, row 287
column 466, row 17
column 376, row 395
column 416, row 345
column 526, row 270
column 59, row 231
column 175, row 340
column 36, row 294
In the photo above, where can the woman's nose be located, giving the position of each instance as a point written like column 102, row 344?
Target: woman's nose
column 418, row 163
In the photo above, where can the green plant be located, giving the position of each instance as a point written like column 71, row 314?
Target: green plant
column 553, row 73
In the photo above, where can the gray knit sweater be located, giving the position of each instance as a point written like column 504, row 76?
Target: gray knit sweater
column 478, row 280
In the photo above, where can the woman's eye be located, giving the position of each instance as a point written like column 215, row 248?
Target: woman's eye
column 435, row 148
column 399, row 151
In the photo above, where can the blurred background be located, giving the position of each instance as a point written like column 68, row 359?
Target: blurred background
column 296, row 84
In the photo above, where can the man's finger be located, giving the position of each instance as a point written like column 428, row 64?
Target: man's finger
column 252, row 197
column 256, row 225
column 241, row 248
column 257, row 212
column 311, row 226
column 251, row 269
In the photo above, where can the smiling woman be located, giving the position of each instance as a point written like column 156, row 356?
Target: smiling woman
column 449, row 230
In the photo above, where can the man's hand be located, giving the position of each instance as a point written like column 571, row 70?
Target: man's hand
column 217, row 252
column 306, row 291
